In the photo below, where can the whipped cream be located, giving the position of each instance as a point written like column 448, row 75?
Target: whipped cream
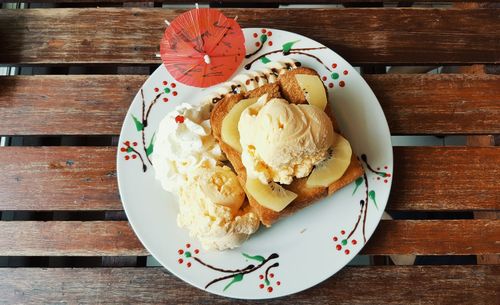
column 183, row 147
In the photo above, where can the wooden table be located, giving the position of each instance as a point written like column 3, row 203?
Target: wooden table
column 71, row 190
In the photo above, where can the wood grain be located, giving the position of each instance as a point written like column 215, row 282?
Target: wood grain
column 434, row 104
column 69, row 238
column 235, row 2
column 58, row 178
column 441, row 178
column 407, row 285
column 83, row 178
column 97, row 104
column 116, row 238
column 362, row 36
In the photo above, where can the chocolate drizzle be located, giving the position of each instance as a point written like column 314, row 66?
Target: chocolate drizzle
column 292, row 51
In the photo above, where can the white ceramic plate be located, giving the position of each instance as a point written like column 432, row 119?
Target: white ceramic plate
column 297, row 252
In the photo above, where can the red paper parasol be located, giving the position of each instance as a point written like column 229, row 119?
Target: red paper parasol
column 202, row 47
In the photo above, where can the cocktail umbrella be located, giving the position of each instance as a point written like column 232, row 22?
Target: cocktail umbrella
column 202, row 47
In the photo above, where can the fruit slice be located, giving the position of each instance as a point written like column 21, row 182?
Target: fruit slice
column 331, row 169
column 273, row 196
column 313, row 89
column 229, row 128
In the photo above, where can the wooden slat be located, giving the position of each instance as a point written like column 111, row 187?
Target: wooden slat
column 362, row 36
column 58, row 178
column 64, row 238
column 97, row 104
column 439, row 104
column 84, row 178
column 445, row 178
column 476, row 285
column 115, row 238
column 236, row 2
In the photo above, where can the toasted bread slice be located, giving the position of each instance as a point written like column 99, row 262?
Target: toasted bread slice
column 288, row 88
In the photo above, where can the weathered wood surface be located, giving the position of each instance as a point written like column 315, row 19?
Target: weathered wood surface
column 58, row 178
column 84, row 178
column 189, row 3
column 362, row 36
column 116, row 238
column 391, row 285
column 97, row 104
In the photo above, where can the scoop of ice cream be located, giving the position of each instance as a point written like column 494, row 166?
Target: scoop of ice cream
column 209, row 208
column 281, row 141
column 184, row 142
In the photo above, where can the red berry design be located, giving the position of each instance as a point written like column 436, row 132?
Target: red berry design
column 324, row 78
column 188, row 264
column 346, row 72
column 180, row 260
column 127, row 157
column 165, row 83
column 269, row 33
column 156, row 89
column 255, row 35
column 127, row 143
column 196, row 251
column 270, row 43
column 278, row 283
column 261, row 277
column 334, row 66
column 354, row 242
column 257, row 44
column 123, row 149
column 330, row 85
column 335, row 238
column 165, row 99
column 261, row 286
column 174, row 93
column 347, row 251
column 341, row 83
column 270, row 289
column 263, row 31
column 385, row 180
column 385, row 167
column 342, row 232
column 338, row 247
column 135, row 143
column 134, row 156
column 271, row 275
column 188, row 245
column 180, row 119
column 180, row 251
column 173, row 85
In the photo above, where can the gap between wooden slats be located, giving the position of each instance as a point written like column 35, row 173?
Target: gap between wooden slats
column 116, row 238
column 409, row 285
column 84, row 179
column 361, row 36
column 97, row 104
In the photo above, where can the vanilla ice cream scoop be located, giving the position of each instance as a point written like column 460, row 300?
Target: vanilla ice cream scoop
column 281, row 141
column 209, row 208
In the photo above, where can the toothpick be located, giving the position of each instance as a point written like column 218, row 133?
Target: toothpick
column 236, row 18
column 167, row 22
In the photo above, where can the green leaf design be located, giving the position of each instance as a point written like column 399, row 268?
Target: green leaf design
column 130, row 149
column 149, row 149
column 255, row 257
column 265, row 60
column 237, row 278
column 371, row 194
column 358, row 183
column 138, row 123
column 263, row 38
column 267, row 282
column 288, row 46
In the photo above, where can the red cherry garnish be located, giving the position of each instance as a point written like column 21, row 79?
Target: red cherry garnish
column 180, row 119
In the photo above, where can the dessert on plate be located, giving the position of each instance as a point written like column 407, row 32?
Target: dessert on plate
column 259, row 148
